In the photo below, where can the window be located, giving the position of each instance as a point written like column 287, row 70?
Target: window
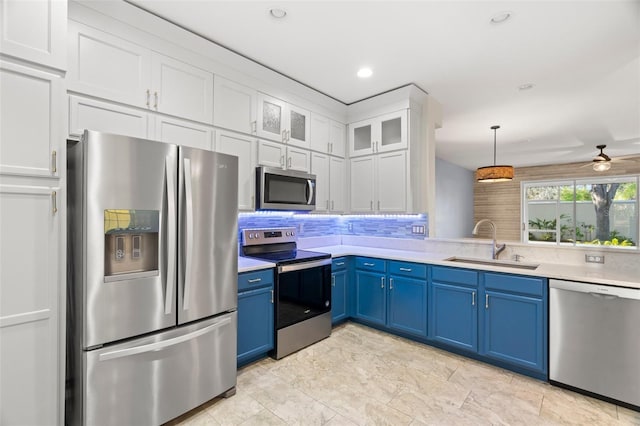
column 601, row 211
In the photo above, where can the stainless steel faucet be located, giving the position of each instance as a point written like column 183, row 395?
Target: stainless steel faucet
column 496, row 249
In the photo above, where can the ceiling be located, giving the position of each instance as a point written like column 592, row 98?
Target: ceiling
column 583, row 58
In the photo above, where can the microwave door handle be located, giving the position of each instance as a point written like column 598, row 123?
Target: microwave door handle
column 170, row 239
column 188, row 246
column 310, row 187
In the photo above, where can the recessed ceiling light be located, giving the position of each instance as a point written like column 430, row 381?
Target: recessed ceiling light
column 278, row 13
column 365, row 72
column 501, row 17
column 526, row 86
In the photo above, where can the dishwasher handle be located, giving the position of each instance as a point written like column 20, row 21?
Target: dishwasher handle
column 607, row 292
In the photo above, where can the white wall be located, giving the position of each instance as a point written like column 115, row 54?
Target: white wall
column 454, row 206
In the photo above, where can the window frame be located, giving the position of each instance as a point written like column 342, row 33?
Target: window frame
column 574, row 182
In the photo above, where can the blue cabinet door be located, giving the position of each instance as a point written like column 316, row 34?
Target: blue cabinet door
column 255, row 323
column 371, row 297
column 339, row 295
column 408, row 305
column 514, row 330
column 453, row 315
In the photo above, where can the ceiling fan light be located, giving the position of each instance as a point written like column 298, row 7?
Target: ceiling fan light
column 601, row 166
column 494, row 174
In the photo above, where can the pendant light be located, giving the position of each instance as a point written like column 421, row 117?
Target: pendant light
column 494, row 173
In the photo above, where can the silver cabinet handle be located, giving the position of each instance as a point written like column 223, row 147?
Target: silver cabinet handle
column 332, row 207
column 381, row 282
column 148, row 98
column 327, row 204
column 254, row 126
column 339, row 263
column 333, row 280
column 289, row 162
column 473, row 298
column 390, row 283
column 171, row 233
column 189, row 243
column 282, row 161
column 486, row 301
column 54, row 161
column 405, row 269
column 54, row 202
column 284, row 135
column 328, row 147
column 288, row 135
column 155, row 101
column 272, row 296
column 369, row 264
column 254, row 280
column 371, row 205
column 378, row 204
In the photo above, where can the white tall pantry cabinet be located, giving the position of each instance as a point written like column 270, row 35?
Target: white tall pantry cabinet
column 32, row 208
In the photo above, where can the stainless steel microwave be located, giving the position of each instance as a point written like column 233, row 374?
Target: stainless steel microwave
column 278, row 189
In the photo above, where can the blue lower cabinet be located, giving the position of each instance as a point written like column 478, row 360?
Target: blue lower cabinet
column 339, row 296
column 255, row 319
column 513, row 330
column 371, row 297
column 514, row 321
column 407, row 305
column 453, row 315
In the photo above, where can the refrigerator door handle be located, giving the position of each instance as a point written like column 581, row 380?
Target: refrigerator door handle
column 188, row 251
column 170, row 171
column 157, row 346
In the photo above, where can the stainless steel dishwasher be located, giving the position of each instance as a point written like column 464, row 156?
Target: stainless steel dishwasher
column 594, row 339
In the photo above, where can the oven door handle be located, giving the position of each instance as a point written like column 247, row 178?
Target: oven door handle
column 303, row 265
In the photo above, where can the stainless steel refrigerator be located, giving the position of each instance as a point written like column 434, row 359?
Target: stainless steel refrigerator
column 152, row 279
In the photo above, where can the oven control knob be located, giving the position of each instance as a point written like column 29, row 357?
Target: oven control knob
column 288, row 233
column 251, row 236
column 292, row 233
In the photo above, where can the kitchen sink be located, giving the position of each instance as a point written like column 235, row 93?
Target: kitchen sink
column 493, row 262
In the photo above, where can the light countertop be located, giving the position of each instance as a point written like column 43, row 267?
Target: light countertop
column 586, row 273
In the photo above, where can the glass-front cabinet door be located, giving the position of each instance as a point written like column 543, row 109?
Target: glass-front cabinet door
column 361, row 138
column 393, row 131
column 383, row 133
column 298, row 127
column 271, row 115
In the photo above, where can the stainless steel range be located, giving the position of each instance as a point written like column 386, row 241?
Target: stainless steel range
column 302, row 287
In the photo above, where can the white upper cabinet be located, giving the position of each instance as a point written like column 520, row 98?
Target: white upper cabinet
column 243, row 147
column 35, row 31
column 181, row 89
column 274, row 154
column 107, row 117
column 330, row 182
column 337, row 133
column 32, row 121
column 234, row 106
column 181, row 132
column 109, row 67
column 283, row 122
column 380, row 134
column 379, row 183
column 337, row 184
column 320, row 130
column 327, row 136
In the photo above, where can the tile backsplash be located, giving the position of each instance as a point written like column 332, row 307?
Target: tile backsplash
column 311, row 225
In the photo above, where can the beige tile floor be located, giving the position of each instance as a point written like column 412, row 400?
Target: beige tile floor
column 362, row 376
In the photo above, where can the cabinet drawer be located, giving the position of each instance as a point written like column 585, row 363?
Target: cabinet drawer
column 370, row 264
column 338, row 263
column 454, row 275
column 514, row 283
column 414, row 270
column 255, row 279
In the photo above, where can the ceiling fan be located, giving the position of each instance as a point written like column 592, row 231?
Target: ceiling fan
column 602, row 162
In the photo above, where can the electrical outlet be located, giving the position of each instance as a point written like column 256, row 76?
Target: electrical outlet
column 417, row 229
column 594, row 258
